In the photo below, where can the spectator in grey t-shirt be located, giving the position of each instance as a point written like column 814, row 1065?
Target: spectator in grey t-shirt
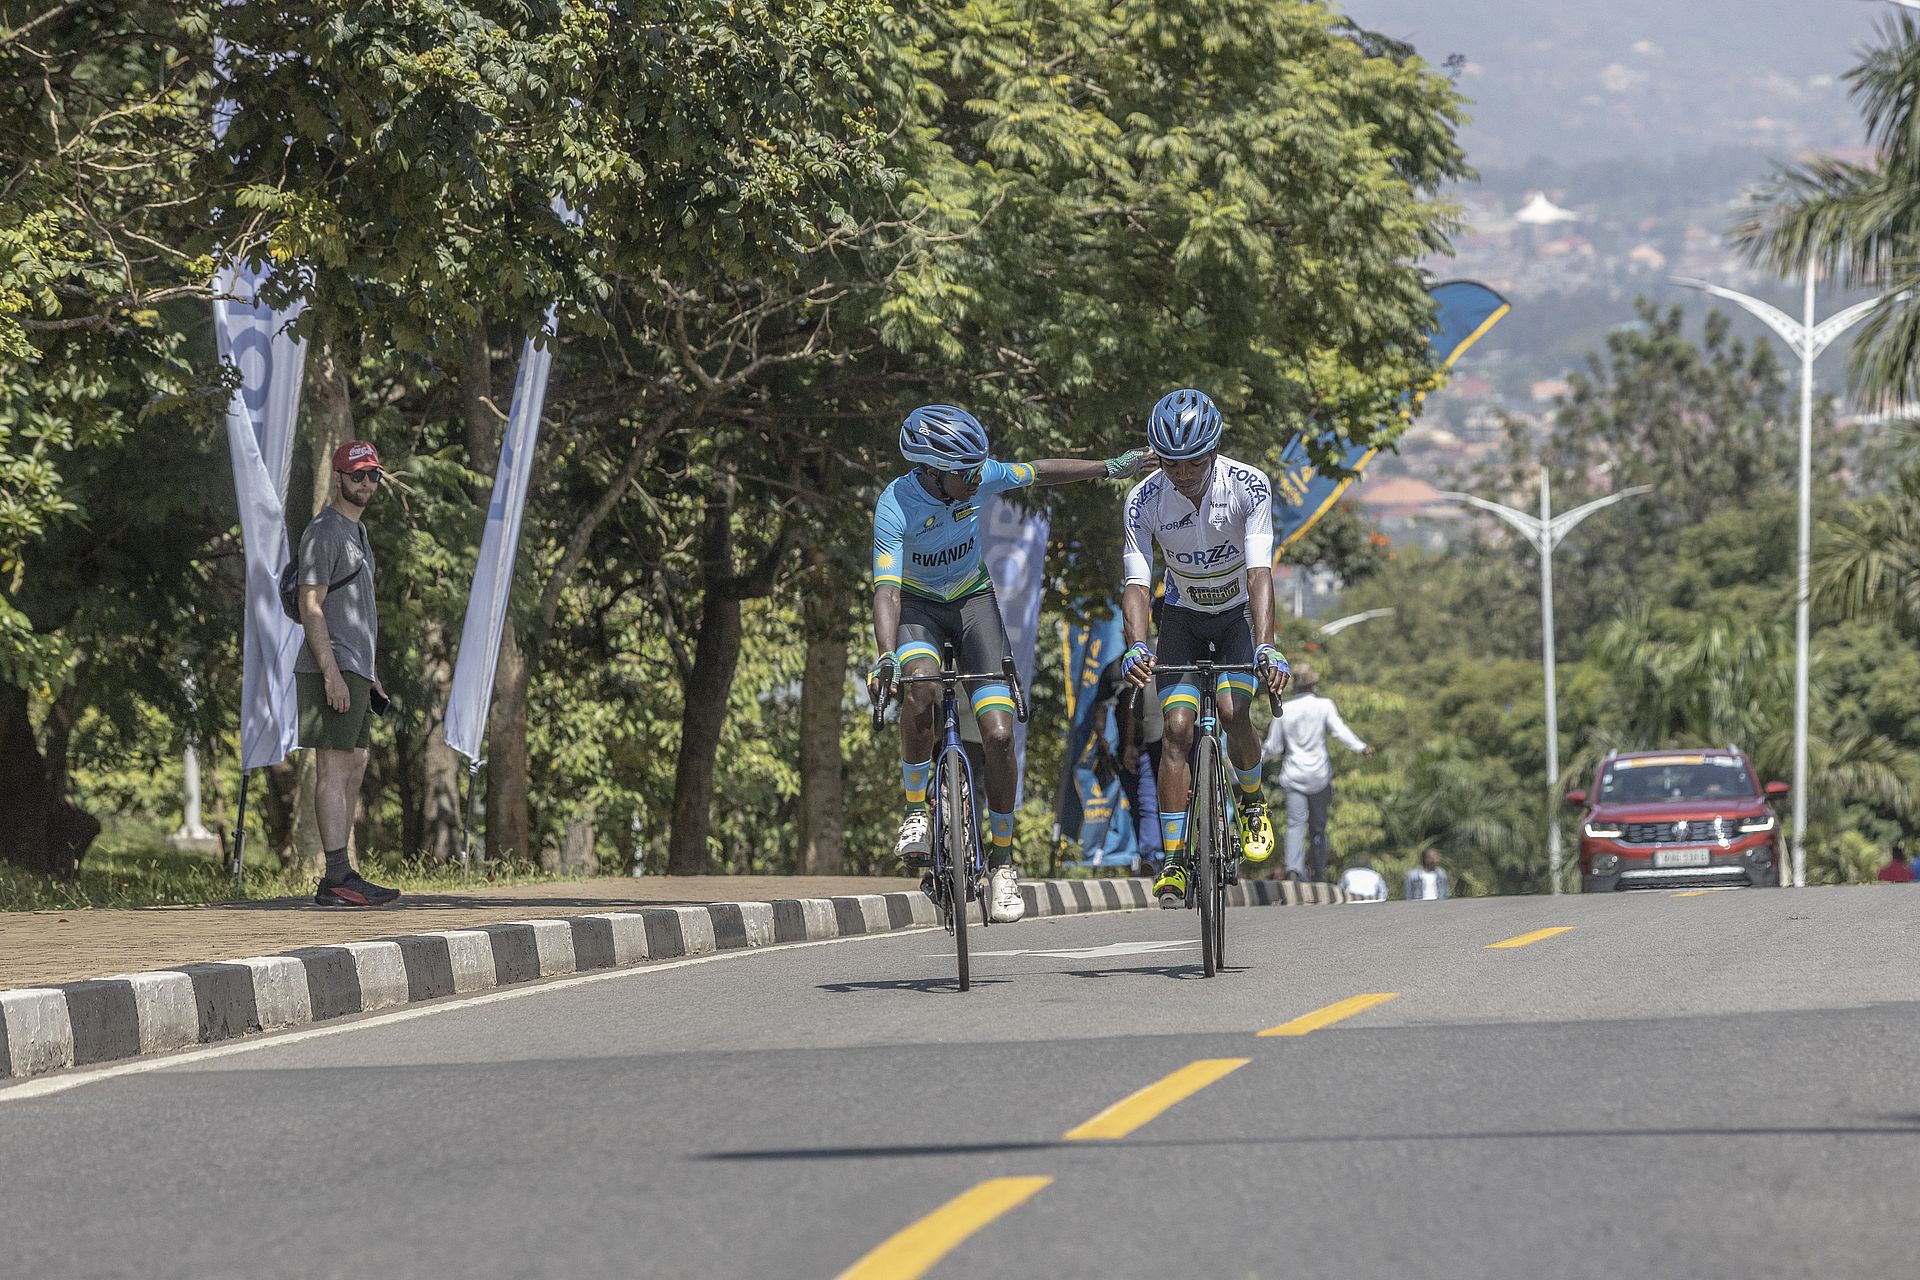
column 338, row 686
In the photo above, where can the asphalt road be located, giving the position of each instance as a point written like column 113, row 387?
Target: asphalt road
column 1725, row 1084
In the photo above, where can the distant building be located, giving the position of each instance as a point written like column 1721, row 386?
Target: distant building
column 1547, row 390
column 1539, row 211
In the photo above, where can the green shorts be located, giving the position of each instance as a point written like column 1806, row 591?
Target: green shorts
column 322, row 726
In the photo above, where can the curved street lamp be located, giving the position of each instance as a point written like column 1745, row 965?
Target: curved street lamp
column 1543, row 533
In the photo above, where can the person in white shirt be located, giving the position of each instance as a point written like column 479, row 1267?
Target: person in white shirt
column 1361, row 883
column 1299, row 740
column 1427, row 882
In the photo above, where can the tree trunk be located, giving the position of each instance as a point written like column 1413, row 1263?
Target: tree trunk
column 304, row 855
column 281, row 792
column 823, row 845
column 438, row 837
column 45, row 831
column 575, row 854
column 716, row 657
column 509, row 821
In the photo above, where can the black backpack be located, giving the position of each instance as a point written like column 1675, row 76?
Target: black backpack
column 290, row 585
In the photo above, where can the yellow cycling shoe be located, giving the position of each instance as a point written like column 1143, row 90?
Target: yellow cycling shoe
column 1171, row 887
column 1256, row 832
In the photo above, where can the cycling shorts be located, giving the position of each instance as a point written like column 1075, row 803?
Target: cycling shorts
column 1187, row 636
column 972, row 626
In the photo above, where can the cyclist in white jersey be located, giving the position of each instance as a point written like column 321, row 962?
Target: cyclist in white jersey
column 931, row 589
column 1212, row 518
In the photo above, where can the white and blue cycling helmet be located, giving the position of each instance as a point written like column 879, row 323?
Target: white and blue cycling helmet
column 1185, row 424
column 944, row 438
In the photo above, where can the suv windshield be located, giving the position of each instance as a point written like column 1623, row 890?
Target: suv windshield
column 1657, row 778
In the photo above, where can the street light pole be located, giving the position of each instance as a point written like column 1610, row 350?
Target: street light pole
column 1806, row 340
column 1338, row 625
column 1543, row 533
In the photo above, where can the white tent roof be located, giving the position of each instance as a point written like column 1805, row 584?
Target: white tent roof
column 1539, row 211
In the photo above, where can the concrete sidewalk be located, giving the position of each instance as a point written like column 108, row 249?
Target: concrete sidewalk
column 38, row 948
column 94, row 986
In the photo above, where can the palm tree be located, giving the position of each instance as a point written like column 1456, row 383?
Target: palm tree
column 1860, row 223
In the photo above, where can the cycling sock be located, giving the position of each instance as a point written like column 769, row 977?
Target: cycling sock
column 338, row 868
column 913, row 780
column 1249, row 780
column 999, row 839
column 1173, row 836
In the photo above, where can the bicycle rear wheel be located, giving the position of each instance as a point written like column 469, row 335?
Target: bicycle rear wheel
column 1202, row 844
column 956, row 812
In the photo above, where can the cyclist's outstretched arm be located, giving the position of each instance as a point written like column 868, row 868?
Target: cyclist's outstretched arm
column 1068, row 470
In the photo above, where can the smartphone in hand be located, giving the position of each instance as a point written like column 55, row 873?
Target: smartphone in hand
column 378, row 702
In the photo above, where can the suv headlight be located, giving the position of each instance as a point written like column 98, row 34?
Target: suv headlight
column 1751, row 826
column 1600, row 831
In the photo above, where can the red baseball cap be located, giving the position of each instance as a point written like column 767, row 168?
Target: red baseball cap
column 355, row 455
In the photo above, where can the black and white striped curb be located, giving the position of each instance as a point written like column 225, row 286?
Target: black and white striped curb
column 78, row 1023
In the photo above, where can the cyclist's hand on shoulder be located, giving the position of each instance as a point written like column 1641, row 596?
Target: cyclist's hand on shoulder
column 1131, row 463
column 1137, row 665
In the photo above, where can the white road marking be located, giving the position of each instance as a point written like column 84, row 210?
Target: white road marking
column 43, row 1086
column 1095, row 953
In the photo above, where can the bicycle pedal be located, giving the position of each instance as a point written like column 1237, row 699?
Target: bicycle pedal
column 1232, row 874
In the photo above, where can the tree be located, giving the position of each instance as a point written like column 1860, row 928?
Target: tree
column 1860, row 222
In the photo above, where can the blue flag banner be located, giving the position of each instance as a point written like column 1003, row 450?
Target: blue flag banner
column 1094, row 816
column 1466, row 311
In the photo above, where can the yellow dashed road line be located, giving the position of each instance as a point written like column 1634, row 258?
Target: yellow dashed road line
column 1528, row 939
column 913, row 1250
column 1331, row 1014
column 1128, row 1114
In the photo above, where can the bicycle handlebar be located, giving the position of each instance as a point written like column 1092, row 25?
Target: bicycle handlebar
column 1220, row 668
column 948, row 676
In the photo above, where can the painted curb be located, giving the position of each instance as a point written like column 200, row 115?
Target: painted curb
column 81, row 1023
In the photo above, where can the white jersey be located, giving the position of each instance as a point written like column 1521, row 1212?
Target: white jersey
column 1207, row 553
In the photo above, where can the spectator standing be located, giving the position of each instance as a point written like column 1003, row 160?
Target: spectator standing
column 1139, row 724
column 335, row 673
column 1427, row 881
column 1298, row 739
column 1898, row 869
column 1361, row 883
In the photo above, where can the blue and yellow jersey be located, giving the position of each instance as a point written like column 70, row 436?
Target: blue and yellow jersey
column 930, row 547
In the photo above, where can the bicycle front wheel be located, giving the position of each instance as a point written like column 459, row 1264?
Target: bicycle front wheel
column 1226, row 852
column 1202, row 848
column 956, row 812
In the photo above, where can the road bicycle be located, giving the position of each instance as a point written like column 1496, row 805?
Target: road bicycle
column 959, row 873
column 1213, row 837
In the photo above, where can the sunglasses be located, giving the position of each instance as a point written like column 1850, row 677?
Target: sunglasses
column 366, row 475
column 971, row 475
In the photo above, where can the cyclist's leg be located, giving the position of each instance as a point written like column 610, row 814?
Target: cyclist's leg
column 1180, row 705
column 984, row 647
column 923, row 632
column 1233, row 643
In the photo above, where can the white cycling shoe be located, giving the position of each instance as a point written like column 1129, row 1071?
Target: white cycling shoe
column 1003, row 896
column 915, row 845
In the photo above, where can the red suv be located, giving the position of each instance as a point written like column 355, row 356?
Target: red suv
column 1660, row 819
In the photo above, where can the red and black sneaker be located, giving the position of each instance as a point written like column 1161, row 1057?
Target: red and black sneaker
column 353, row 891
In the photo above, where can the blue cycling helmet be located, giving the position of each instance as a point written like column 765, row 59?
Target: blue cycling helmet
column 943, row 437
column 1185, row 424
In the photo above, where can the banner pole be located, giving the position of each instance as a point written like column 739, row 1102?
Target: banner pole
column 240, row 840
column 468, row 816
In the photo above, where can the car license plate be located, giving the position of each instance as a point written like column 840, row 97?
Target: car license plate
column 1681, row 857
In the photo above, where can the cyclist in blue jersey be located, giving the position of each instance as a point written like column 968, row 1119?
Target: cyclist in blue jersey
column 931, row 589
column 1212, row 518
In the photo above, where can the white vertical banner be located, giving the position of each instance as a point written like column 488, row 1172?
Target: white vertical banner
column 261, row 415
column 500, row 542
column 1013, row 544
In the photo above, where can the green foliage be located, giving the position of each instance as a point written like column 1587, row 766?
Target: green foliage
column 1858, row 222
